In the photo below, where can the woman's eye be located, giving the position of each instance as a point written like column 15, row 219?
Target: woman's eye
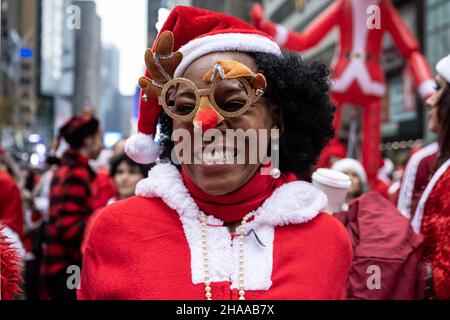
column 235, row 105
column 184, row 109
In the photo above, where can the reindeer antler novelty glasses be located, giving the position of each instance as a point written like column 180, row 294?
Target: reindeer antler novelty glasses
column 181, row 99
column 233, row 87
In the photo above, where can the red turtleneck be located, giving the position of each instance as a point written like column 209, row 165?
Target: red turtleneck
column 233, row 206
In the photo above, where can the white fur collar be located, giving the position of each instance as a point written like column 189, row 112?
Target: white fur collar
column 293, row 203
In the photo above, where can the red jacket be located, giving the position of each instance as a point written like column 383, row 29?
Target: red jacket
column 149, row 247
column 11, row 211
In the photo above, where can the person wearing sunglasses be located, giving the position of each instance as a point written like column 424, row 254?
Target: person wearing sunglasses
column 223, row 214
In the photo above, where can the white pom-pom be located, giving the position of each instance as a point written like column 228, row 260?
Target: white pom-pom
column 141, row 148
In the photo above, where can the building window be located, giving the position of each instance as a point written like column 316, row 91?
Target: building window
column 437, row 29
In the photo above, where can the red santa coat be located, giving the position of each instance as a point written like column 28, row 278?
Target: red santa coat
column 149, row 247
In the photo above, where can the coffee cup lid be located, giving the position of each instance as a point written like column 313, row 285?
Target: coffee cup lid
column 332, row 178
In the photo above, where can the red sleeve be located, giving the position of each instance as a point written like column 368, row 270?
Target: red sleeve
column 409, row 48
column 298, row 41
column 317, row 30
column 11, row 211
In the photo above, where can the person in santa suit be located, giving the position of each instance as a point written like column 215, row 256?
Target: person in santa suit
column 204, row 228
column 358, row 77
column 432, row 216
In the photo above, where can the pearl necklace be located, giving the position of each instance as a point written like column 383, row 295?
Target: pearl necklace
column 207, row 279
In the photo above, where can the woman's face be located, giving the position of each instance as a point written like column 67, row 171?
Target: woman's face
column 433, row 104
column 219, row 179
column 125, row 179
column 356, row 186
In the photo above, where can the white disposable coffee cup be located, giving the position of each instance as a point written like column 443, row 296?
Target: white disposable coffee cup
column 334, row 184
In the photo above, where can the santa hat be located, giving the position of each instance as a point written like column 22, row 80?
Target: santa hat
column 443, row 68
column 197, row 32
column 348, row 164
column 334, row 149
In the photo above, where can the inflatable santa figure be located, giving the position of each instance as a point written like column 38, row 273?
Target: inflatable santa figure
column 357, row 73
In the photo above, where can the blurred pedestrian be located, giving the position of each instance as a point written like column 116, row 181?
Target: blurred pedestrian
column 354, row 169
column 432, row 216
column 70, row 203
column 35, row 220
column 384, row 178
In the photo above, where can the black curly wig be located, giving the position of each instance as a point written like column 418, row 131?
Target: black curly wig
column 301, row 89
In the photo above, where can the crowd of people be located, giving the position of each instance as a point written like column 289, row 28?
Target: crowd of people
column 47, row 218
column 227, row 231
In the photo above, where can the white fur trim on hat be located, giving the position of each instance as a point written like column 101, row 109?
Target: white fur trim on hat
column 443, row 68
column 348, row 164
column 142, row 149
column 243, row 42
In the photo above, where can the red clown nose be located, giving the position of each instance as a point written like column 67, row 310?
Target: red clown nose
column 206, row 119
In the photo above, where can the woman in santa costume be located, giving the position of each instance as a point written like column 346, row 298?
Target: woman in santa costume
column 212, row 229
column 432, row 217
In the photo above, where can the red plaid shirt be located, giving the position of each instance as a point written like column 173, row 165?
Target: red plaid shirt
column 70, row 208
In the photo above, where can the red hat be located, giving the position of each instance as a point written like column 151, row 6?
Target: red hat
column 197, row 32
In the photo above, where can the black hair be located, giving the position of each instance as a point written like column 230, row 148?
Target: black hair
column 117, row 160
column 52, row 160
column 443, row 114
column 75, row 133
column 301, row 90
